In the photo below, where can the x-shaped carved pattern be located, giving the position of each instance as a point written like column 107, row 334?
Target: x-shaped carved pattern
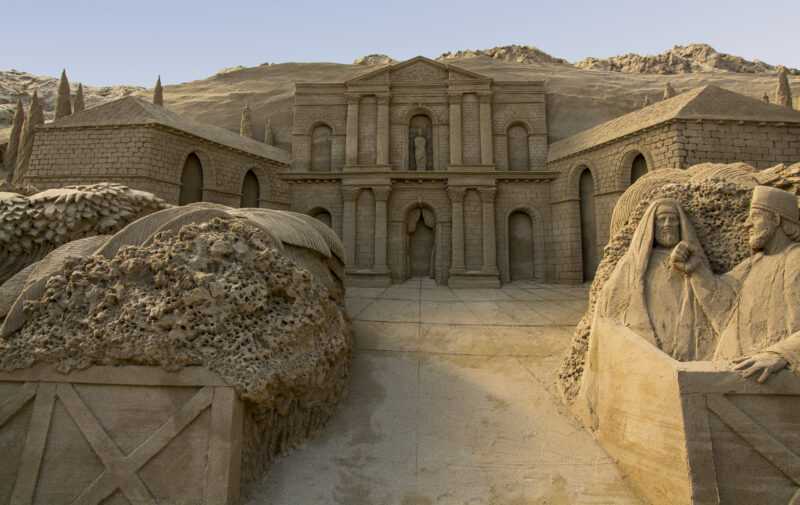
column 120, row 469
column 772, row 449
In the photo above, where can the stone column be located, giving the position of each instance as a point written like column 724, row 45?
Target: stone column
column 351, row 141
column 457, row 229
column 456, row 152
column 489, row 240
column 381, row 227
column 382, row 133
column 349, row 194
column 487, row 138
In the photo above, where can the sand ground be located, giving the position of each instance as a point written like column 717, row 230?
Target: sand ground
column 453, row 402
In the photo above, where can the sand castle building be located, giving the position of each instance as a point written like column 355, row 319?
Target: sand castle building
column 145, row 146
column 422, row 168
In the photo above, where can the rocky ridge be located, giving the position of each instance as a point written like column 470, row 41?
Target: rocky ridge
column 514, row 54
column 687, row 59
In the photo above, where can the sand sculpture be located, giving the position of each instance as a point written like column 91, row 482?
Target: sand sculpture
column 716, row 196
column 252, row 296
column 693, row 317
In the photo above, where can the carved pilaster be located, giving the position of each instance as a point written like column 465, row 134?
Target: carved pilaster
column 487, row 142
column 457, row 229
column 349, row 195
column 351, row 140
column 489, row 241
column 382, row 130
column 381, row 227
column 456, row 152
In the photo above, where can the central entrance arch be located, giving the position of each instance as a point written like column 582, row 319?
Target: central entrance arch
column 420, row 242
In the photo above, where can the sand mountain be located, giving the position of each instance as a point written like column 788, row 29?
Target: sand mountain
column 578, row 98
column 687, row 59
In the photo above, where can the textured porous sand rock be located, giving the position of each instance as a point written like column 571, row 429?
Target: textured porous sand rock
column 374, row 59
column 218, row 294
column 513, row 54
column 687, row 59
column 32, row 226
column 717, row 199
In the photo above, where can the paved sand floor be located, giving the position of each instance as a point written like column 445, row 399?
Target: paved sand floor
column 453, row 402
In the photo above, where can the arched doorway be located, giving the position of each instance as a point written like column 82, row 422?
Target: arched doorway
column 638, row 167
column 518, row 155
column 421, row 243
column 321, row 148
column 520, row 246
column 324, row 216
column 588, row 226
column 251, row 191
column 420, row 143
column 191, row 181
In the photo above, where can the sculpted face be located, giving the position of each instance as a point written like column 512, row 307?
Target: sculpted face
column 762, row 225
column 668, row 226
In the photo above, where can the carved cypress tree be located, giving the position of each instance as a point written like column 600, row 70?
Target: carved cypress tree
column 63, row 102
column 269, row 136
column 158, row 93
column 13, row 140
column 246, row 125
column 34, row 118
column 765, row 98
column 669, row 91
column 78, row 105
column 783, row 93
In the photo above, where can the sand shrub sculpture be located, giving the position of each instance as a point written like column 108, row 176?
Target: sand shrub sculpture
column 33, row 226
column 254, row 295
column 717, row 200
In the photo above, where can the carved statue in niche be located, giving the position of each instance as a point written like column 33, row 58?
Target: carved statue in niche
column 754, row 307
column 420, row 150
column 420, row 143
column 647, row 293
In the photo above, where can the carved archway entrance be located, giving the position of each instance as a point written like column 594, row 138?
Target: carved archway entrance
column 420, row 240
column 520, row 246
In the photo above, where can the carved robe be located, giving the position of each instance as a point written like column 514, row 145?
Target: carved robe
column 645, row 294
column 755, row 306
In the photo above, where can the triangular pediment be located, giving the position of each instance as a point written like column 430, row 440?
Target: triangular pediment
column 418, row 69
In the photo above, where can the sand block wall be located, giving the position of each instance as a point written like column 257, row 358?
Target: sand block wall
column 127, row 434
column 695, row 433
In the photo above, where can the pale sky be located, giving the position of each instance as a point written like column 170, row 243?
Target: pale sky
column 123, row 42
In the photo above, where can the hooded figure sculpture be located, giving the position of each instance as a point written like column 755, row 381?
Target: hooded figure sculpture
column 648, row 295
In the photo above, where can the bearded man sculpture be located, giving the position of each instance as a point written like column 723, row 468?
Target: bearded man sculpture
column 755, row 307
column 647, row 294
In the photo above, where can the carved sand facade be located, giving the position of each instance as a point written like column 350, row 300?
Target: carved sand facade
column 421, row 167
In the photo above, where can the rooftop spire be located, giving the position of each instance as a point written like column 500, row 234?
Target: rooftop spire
column 63, row 101
column 246, row 125
column 158, row 93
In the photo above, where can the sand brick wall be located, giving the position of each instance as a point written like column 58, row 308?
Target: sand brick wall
column 310, row 197
column 150, row 159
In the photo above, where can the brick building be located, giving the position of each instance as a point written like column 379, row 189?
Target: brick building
column 145, row 146
column 595, row 166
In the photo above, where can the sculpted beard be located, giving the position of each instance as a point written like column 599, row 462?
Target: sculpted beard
column 667, row 235
column 759, row 236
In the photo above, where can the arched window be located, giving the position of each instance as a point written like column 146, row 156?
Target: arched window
column 191, row 181
column 638, row 167
column 520, row 246
column 321, row 148
column 324, row 216
column 251, row 190
column 588, row 226
column 517, row 136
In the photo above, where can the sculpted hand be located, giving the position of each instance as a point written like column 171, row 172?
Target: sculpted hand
column 681, row 256
column 766, row 362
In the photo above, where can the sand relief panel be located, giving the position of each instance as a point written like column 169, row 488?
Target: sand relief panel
column 693, row 335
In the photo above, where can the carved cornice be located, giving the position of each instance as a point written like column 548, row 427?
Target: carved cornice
column 353, row 98
column 385, row 99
